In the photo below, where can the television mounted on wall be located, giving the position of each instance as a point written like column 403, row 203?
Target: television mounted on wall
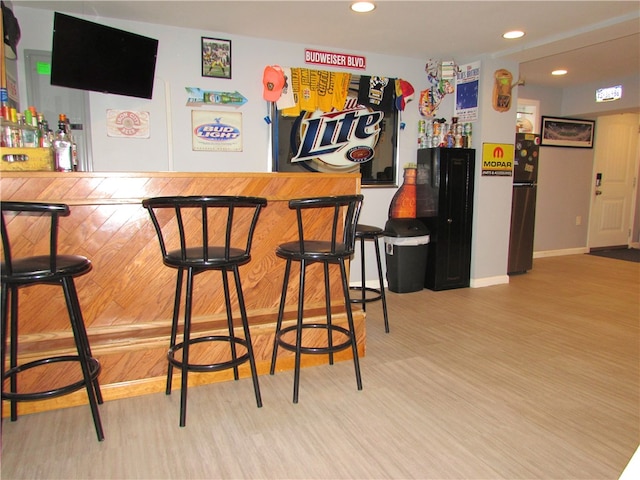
column 89, row 56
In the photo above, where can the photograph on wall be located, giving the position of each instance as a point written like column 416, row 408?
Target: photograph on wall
column 347, row 124
column 216, row 58
column 216, row 131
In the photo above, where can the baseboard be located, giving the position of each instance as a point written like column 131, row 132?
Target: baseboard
column 559, row 253
column 369, row 284
column 502, row 279
column 489, row 281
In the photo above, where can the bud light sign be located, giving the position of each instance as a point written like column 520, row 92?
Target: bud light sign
column 217, row 131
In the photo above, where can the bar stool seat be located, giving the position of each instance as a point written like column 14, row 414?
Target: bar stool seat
column 340, row 213
column 49, row 269
column 370, row 233
column 199, row 234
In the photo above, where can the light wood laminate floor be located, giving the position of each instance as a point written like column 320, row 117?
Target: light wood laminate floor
column 537, row 379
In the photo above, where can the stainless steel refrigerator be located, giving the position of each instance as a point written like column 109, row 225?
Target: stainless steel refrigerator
column 523, row 203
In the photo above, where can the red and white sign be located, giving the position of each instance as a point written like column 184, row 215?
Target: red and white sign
column 125, row 123
column 332, row 59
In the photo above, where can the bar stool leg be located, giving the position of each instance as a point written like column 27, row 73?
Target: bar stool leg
column 381, row 279
column 13, row 351
column 327, row 300
column 185, row 348
column 83, row 337
column 9, row 322
column 247, row 335
column 363, row 275
column 82, row 346
column 3, row 346
column 296, row 375
column 174, row 326
column 352, row 329
column 227, row 301
column 283, row 297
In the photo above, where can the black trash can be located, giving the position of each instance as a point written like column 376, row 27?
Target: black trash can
column 406, row 242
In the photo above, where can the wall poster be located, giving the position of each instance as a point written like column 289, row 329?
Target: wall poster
column 354, row 138
column 467, row 82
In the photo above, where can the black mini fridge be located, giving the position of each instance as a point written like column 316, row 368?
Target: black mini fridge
column 523, row 203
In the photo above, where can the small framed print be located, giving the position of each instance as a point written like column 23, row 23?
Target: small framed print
column 216, row 58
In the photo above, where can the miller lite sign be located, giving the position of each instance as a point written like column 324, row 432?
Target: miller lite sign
column 355, row 138
column 342, row 139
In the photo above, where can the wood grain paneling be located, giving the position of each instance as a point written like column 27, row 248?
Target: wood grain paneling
column 127, row 298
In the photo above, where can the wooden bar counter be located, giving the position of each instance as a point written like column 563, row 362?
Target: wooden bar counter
column 127, row 299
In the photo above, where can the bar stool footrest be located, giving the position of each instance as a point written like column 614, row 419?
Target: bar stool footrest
column 94, row 370
column 377, row 291
column 316, row 350
column 213, row 367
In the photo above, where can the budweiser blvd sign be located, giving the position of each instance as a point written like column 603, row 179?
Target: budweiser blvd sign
column 332, row 59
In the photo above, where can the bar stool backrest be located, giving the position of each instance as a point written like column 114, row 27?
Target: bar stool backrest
column 13, row 209
column 341, row 212
column 204, row 231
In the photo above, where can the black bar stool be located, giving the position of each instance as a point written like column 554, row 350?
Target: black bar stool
column 364, row 233
column 51, row 269
column 198, row 234
column 341, row 213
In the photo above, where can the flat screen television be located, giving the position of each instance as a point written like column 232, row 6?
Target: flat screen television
column 90, row 56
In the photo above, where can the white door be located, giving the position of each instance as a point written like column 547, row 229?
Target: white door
column 614, row 180
column 52, row 101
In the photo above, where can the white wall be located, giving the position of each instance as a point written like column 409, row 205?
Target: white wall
column 581, row 101
column 492, row 212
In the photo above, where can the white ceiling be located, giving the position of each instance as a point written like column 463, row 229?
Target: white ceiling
column 593, row 40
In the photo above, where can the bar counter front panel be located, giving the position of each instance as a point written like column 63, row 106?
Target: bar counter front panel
column 127, row 299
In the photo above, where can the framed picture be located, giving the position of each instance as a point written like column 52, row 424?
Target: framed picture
column 216, row 58
column 567, row 132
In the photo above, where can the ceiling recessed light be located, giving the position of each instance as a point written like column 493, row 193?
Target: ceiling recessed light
column 513, row 34
column 559, row 72
column 363, row 7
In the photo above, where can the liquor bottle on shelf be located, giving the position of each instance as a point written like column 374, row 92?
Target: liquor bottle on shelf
column 62, row 148
column 74, row 146
column 45, row 135
column 29, row 135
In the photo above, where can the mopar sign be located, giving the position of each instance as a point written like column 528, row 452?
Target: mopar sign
column 216, row 132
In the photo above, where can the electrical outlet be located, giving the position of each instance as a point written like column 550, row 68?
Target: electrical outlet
column 579, row 220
